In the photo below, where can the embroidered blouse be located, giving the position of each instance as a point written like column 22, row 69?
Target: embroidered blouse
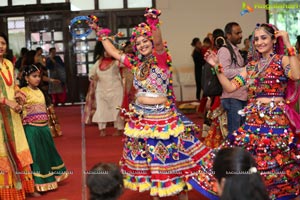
column 272, row 82
column 151, row 77
column 34, row 110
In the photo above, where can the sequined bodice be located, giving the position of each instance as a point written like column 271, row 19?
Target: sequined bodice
column 271, row 82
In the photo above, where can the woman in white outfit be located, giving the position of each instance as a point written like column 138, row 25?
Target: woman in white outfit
column 109, row 90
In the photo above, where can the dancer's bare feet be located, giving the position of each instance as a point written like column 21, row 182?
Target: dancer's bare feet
column 155, row 198
column 102, row 133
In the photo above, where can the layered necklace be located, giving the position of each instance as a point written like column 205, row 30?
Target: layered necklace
column 260, row 66
column 8, row 80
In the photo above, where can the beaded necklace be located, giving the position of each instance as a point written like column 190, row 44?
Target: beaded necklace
column 7, row 81
column 263, row 63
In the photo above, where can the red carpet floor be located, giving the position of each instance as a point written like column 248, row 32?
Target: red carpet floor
column 98, row 149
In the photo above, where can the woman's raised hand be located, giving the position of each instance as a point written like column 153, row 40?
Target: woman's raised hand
column 211, row 57
column 152, row 13
column 93, row 23
column 285, row 37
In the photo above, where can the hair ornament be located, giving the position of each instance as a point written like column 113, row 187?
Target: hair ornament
column 30, row 69
column 253, row 170
column 37, row 69
column 141, row 30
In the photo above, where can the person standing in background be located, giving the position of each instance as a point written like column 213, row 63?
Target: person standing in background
column 129, row 90
column 245, row 49
column 198, row 62
column 108, row 90
column 56, row 68
column 232, row 63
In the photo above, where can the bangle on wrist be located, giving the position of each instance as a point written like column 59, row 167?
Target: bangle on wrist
column 291, row 51
column 218, row 69
column 103, row 38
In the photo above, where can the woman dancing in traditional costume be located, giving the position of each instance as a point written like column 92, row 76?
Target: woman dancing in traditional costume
column 271, row 122
column 160, row 153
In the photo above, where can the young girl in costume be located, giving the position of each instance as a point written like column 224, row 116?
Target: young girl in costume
column 271, row 122
column 48, row 167
column 15, row 158
column 160, row 153
column 32, row 57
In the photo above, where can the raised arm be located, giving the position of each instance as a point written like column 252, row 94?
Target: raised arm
column 229, row 86
column 103, row 35
column 153, row 21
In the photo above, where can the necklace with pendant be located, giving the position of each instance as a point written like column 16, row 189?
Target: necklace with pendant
column 144, row 69
column 8, row 80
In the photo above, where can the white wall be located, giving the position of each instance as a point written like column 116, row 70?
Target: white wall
column 182, row 20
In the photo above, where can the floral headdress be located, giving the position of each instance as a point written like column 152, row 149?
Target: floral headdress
column 141, row 30
column 270, row 30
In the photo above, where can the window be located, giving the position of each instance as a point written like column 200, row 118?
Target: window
column 82, row 5
column 286, row 16
column 16, row 32
column 139, row 3
column 21, row 2
column 53, row 1
column 109, row 4
column 3, row 3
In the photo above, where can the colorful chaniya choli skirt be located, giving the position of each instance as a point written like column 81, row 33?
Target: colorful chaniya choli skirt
column 48, row 168
column 268, row 136
column 161, row 152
